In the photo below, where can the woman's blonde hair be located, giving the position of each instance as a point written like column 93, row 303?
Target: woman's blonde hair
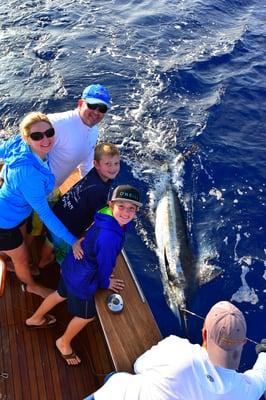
column 30, row 119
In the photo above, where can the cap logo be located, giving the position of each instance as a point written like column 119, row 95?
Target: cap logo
column 126, row 192
column 232, row 341
column 128, row 195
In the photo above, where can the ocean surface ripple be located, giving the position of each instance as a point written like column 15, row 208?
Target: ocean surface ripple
column 180, row 73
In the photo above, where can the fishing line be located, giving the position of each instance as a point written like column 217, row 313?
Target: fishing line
column 199, row 316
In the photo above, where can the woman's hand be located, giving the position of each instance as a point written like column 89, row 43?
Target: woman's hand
column 77, row 250
column 116, row 284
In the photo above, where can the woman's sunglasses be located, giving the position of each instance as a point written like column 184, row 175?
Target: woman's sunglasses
column 101, row 107
column 40, row 135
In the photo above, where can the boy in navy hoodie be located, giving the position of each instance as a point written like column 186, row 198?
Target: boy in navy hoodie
column 80, row 279
column 77, row 207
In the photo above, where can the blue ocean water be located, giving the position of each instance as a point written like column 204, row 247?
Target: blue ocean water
column 180, row 73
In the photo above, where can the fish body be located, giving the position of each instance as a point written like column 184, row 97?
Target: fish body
column 181, row 275
column 171, row 243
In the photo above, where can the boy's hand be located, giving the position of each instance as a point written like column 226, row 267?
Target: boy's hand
column 116, row 284
column 77, row 250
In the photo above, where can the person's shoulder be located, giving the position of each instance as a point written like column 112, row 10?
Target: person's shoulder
column 61, row 117
column 107, row 221
column 91, row 184
column 19, row 155
column 108, row 228
column 91, row 177
column 95, row 178
column 176, row 343
column 14, row 142
column 176, row 340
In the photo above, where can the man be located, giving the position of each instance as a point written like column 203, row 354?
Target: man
column 177, row 369
column 76, row 133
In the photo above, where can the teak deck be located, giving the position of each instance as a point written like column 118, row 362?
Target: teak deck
column 30, row 366
column 131, row 332
column 35, row 370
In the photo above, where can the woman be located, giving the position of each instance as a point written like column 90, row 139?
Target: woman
column 27, row 183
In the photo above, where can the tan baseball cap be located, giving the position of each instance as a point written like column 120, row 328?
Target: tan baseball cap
column 226, row 334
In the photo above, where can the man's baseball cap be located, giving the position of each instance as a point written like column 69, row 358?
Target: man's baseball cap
column 126, row 193
column 96, row 94
column 226, row 334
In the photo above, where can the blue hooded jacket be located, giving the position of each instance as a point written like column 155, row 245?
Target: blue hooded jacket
column 102, row 243
column 27, row 183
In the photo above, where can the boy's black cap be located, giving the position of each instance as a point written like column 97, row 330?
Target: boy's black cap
column 126, row 193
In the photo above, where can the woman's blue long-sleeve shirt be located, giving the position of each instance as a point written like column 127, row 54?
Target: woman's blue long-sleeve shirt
column 27, row 183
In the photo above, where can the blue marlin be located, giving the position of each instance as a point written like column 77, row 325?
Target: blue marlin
column 180, row 274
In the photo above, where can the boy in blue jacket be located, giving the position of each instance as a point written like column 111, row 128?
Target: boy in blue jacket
column 80, row 279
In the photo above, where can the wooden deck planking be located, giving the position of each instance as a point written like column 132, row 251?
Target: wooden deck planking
column 36, row 371
column 134, row 330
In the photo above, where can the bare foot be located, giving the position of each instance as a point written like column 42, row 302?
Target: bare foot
column 67, row 353
column 34, row 321
column 41, row 322
column 39, row 290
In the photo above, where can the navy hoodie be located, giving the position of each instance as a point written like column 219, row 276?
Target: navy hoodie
column 77, row 207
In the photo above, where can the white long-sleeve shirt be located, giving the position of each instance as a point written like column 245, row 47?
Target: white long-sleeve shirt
column 74, row 145
column 175, row 369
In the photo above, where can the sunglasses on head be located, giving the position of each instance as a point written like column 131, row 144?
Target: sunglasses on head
column 40, row 135
column 101, row 107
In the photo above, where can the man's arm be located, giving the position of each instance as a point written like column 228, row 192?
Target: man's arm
column 258, row 373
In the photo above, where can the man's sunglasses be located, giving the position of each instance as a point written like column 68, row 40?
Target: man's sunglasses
column 101, row 107
column 40, row 135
